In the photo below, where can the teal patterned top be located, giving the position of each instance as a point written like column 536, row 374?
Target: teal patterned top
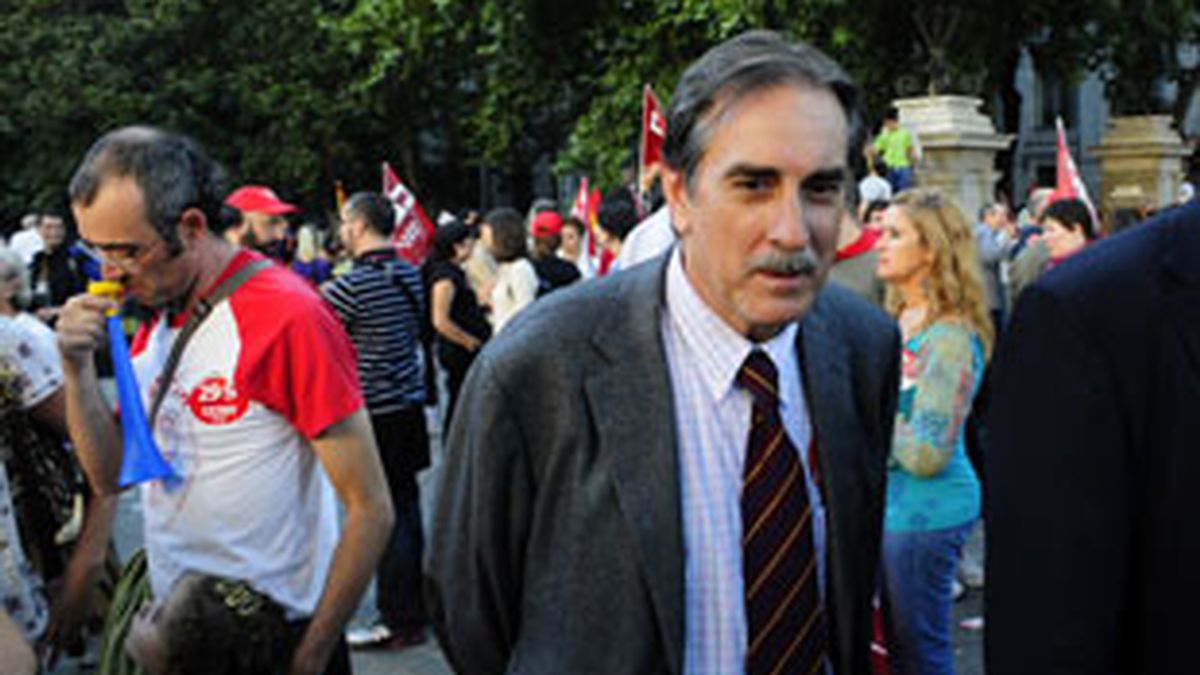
column 931, row 484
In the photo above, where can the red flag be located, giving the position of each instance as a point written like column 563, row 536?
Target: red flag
column 1068, row 183
column 605, row 257
column 414, row 231
column 654, row 130
column 593, row 212
column 579, row 206
column 581, row 210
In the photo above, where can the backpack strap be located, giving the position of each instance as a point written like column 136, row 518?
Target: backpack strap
column 200, row 312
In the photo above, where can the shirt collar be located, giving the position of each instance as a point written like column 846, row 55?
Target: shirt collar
column 376, row 256
column 712, row 344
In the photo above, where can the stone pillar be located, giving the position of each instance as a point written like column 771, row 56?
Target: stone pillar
column 959, row 146
column 1141, row 163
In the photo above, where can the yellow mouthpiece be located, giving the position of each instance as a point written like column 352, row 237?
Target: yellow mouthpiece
column 108, row 289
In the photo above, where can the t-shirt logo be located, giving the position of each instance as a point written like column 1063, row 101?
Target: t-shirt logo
column 217, row 401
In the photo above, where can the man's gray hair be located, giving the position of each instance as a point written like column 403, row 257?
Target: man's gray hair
column 11, row 262
column 737, row 68
column 173, row 172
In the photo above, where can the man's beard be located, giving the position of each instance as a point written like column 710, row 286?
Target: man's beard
column 272, row 249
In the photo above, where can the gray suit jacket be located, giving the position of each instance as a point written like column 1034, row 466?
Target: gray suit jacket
column 557, row 541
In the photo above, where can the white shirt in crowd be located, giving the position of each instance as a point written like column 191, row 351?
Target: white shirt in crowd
column 873, row 188
column 27, row 243
column 516, row 286
column 649, row 239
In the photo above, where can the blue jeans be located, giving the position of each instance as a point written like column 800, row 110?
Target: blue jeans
column 901, row 178
column 918, row 580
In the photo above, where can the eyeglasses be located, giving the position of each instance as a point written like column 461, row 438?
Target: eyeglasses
column 124, row 255
column 11, row 275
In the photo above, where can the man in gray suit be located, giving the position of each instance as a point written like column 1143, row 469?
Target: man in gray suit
column 680, row 468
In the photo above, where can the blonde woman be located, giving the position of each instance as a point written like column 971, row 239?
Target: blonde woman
column 928, row 260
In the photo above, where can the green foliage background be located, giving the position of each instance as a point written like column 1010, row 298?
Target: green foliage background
column 297, row 95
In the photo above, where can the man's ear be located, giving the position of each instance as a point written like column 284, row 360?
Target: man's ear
column 193, row 224
column 675, row 190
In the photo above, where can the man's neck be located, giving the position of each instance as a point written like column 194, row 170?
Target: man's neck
column 370, row 242
column 213, row 255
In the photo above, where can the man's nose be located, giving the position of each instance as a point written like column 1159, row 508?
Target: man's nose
column 111, row 272
column 788, row 227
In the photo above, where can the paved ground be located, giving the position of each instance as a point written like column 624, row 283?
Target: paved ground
column 427, row 659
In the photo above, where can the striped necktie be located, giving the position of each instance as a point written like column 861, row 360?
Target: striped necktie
column 784, row 616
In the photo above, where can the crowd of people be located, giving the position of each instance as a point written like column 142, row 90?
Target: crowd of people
column 669, row 444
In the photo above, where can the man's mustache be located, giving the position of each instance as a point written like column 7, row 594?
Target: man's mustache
column 784, row 262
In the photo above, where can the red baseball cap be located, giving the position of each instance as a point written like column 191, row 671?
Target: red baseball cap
column 260, row 199
column 546, row 224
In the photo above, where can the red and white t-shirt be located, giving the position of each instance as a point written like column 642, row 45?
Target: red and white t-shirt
column 268, row 370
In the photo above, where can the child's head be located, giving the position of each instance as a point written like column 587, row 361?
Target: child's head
column 211, row 625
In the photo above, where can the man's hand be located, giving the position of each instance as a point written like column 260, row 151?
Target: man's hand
column 81, row 328
column 68, row 614
column 74, row 600
column 304, row 662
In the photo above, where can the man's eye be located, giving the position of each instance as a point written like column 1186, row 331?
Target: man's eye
column 753, row 184
column 823, row 192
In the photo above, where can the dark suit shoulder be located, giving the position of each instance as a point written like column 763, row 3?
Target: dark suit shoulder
column 1121, row 281
column 861, row 324
column 1123, row 263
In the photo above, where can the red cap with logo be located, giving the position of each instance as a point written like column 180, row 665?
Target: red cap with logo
column 259, row 199
column 546, row 224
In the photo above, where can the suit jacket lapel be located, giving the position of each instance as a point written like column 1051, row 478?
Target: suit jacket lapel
column 824, row 365
column 630, row 398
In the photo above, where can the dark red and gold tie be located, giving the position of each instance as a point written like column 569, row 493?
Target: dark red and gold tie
column 786, row 631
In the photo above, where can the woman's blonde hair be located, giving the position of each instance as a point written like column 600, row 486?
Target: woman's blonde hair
column 954, row 287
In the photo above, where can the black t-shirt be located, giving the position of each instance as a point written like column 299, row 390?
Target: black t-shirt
column 464, row 308
column 553, row 273
column 55, row 277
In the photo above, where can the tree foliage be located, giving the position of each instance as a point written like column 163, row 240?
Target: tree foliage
column 296, row 95
column 1140, row 52
column 258, row 82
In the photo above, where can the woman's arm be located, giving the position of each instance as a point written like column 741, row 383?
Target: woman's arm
column 928, row 428
column 441, row 299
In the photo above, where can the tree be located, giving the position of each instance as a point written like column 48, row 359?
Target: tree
column 71, row 71
column 298, row 95
column 1141, row 52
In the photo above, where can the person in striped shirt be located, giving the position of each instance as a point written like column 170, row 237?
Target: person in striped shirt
column 381, row 302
